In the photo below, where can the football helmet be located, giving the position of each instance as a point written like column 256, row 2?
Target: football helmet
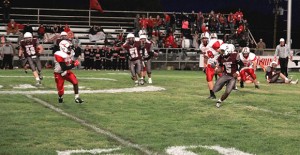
column 246, row 51
column 64, row 35
column 27, row 36
column 130, row 35
column 213, row 36
column 226, row 49
column 66, row 46
column 204, row 35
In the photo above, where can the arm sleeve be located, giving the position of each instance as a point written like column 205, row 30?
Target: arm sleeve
column 64, row 67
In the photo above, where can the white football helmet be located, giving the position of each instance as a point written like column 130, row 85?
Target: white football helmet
column 130, row 35
column 27, row 36
column 213, row 36
column 143, row 37
column 227, row 48
column 63, row 33
column 246, row 51
column 66, row 46
column 204, row 35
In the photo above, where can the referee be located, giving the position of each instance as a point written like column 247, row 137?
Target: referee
column 283, row 52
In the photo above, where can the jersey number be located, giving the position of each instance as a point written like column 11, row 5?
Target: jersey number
column 30, row 50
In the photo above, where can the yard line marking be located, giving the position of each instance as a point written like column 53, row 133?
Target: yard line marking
column 80, row 78
column 93, row 127
column 120, row 90
column 182, row 150
column 93, row 151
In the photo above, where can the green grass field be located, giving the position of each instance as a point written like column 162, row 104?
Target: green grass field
column 250, row 121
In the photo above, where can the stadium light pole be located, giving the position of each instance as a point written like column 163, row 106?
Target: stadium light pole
column 289, row 23
column 275, row 11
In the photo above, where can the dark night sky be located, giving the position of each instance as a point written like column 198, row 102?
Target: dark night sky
column 257, row 12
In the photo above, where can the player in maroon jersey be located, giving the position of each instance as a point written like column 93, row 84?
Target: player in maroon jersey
column 133, row 47
column 231, row 64
column 31, row 50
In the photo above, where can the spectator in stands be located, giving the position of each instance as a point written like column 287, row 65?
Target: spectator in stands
column 173, row 21
column 167, row 20
column 136, row 24
column 41, row 31
column 158, row 23
column 12, row 27
column 283, row 52
column 68, row 30
column 60, row 28
column 7, row 53
column 55, row 29
column 2, row 40
column 6, row 6
column 200, row 21
column 95, row 34
column 231, row 21
column 260, row 47
column 239, row 16
column 192, row 21
column 150, row 25
column 28, row 28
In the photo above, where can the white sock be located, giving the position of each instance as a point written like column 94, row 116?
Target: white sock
column 76, row 96
column 286, row 79
column 219, row 100
column 37, row 79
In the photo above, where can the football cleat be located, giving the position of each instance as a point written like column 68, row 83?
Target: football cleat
column 141, row 81
column 150, row 81
column 136, row 83
column 242, row 84
column 41, row 77
column 257, row 86
column 294, row 82
column 212, row 97
column 78, row 100
column 60, row 100
column 218, row 104
column 38, row 83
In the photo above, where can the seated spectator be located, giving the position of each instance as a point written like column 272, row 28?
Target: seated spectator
column 68, row 31
column 55, row 29
column 12, row 27
column 96, row 34
column 41, row 31
column 52, row 33
column 170, row 41
column 27, row 28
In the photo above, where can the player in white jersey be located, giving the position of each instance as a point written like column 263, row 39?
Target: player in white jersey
column 63, row 60
column 250, row 63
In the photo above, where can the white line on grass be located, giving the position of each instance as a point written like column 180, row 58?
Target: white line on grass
column 83, row 78
column 93, row 127
column 120, row 90
column 252, row 108
column 93, row 151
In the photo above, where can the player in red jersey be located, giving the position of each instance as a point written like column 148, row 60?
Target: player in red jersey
column 31, row 50
column 146, row 53
column 63, row 60
column 250, row 62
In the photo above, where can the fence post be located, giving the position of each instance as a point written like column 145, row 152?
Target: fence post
column 38, row 16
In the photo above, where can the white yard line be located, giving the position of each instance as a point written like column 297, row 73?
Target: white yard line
column 93, row 151
column 93, row 127
column 120, row 90
column 83, row 78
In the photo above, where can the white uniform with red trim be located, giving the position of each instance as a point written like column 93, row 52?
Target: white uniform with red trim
column 61, row 56
column 248, row 62
column 248, row 69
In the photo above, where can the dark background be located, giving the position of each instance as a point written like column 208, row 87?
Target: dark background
column 259, row 13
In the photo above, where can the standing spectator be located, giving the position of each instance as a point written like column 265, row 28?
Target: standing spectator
column 136, row 24
column 6, row 5
column 7, row 53
column 97, row 64
column 200, row 21
column 115, row 54
column 12, row 27
column 41, row 31
column 28, row 28
column 167, row 20
column 283, row 52
column 86, row 53
column 260, row 47
column 122, row 59
column 239, row 16
column 150, row 25
column 231, row 21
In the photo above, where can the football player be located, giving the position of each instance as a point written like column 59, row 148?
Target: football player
column 211, row 53
column 274, row 76
column 231, row 63
column 31, row 50
column 146, row 53
column 63, row 60
column 133, row 47
column 250, row 63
